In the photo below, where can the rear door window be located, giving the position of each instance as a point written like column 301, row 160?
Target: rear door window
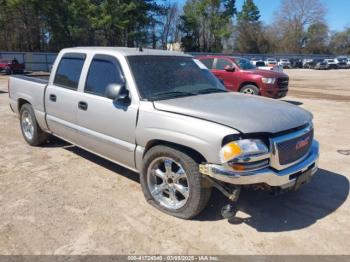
column 208, row 62
column 69, row 71
column 104, row 70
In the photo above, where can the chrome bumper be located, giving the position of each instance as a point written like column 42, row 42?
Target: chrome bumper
column 266, row 175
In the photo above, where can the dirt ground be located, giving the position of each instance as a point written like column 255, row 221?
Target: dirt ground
column 59, row 199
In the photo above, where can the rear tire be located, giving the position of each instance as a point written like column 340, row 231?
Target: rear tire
column 31, row 131
column 250, row 90
column 159, row 194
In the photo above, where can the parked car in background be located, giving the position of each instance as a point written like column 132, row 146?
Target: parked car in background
column 11, row 66
column 271, row 62
column 285, row 63
column 308, row 63
column 164, row 115
column 261, row 65
column 342, row 62
column 332, row 63
column 255, row 60
column 239, row 75
column 296, row 63
column 321, row 66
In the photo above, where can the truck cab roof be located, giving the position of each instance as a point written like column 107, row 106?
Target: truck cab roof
column 125, row 51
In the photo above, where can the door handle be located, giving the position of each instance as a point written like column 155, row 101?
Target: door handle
column 53, row 98
column 83, row 105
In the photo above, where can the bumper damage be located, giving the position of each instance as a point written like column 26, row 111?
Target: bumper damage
column 295, row 175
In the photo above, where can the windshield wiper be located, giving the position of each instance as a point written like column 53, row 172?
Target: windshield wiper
column 211, row 90
column 170, row 94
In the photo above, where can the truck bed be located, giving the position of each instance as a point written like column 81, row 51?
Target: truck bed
column 29, row 89
column 42, row 79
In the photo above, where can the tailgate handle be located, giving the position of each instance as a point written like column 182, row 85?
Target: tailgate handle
column 83, row 105
column 53, row 98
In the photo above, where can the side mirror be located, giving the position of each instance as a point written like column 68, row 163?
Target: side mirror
column 229, row 68
column 117, row 92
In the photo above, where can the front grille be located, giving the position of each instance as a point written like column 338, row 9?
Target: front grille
column 292, row 150
column 283, row 82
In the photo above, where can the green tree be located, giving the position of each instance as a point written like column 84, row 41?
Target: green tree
column 250, row 38
column 34, row 25
column 317, row 39
column 340, row 42
column 206, row 23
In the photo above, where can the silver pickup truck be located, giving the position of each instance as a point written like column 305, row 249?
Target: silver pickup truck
column 164, row 115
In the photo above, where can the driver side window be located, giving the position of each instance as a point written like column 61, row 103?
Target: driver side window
column 104, row 70
column 221, row 64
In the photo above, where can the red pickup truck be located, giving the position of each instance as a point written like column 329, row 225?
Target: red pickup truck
column 11, row 66
column 239, row 75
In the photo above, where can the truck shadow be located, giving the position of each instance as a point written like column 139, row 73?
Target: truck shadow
column 296, row 103
column 127, row 173
column 326, row 192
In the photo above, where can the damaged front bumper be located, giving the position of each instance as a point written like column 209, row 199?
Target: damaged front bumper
column 275, row 178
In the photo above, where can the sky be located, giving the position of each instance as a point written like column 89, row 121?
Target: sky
column 338, row 15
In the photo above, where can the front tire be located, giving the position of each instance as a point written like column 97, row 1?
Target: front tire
column 31, row 131
column 172, row 183
column 250, row 90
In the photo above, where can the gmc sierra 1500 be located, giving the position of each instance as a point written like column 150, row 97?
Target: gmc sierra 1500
column 164, row 115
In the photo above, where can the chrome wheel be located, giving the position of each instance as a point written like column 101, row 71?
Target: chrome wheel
column 27, row 125
column 168, row 183
column 248, row 91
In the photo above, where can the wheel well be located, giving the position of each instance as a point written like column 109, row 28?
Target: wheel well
column 198, row 157
column 247, row 83
column 21, row 102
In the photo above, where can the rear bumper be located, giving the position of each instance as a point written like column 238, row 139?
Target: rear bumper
column 284, row 178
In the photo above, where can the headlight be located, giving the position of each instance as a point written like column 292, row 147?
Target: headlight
column 242, row 148
column 268, row 80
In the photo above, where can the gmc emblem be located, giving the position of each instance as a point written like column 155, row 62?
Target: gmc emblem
column 302, row 143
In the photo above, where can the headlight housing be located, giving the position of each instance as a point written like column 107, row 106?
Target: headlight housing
column 268, row 80
column 242, row 149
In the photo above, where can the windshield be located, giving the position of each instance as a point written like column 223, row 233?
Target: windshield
column 166, row 77
column 260, row 64
column 244, row 64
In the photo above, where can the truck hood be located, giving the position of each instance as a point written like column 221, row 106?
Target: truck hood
column 247, row 114
column 266, row 72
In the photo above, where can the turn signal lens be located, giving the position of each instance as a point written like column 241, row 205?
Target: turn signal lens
column 238, row 167
column 242, row 148
column 230, row 151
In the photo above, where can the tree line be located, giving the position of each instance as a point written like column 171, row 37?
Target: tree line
column 299, row 26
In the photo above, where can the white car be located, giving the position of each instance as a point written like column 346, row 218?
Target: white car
column 332, row 63
column 262, row 66
column 271, row 62
column 285, row 63
column 307, row 63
